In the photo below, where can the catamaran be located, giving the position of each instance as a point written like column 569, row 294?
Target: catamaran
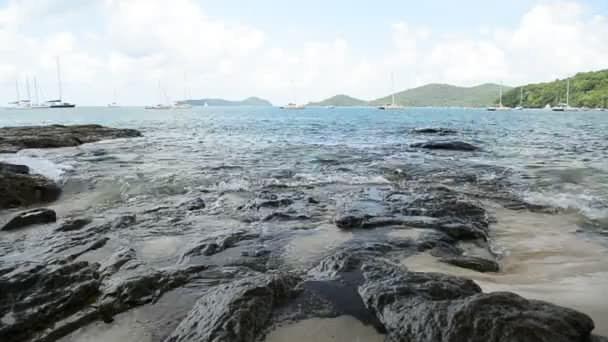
column 183, row 104
column 392, row 105
column 19, row 104
column 160, row 105
column 565, row 107
column 114, row 103
column 293, row 105
column 521, row 99
column 500, row 106
column 59, row 103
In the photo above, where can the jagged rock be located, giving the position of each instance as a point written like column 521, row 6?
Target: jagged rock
column 471, row 262
column 436, row 307
column 21, row 169
column 36, row 296
column 20, row 190
column 17, row 138
column 31, row 217
column 446, row 145
column 195, row 204
column 216, row 243
column 73, row 224
column 432, row 130
column 236, row 312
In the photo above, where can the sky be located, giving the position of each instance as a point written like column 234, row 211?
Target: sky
column 290, row 50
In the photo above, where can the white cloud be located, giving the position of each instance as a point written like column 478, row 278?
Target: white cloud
column 133, row 44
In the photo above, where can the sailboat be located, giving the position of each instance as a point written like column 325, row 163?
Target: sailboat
column 114, row 103
column 37, row 104
column 500, row 106
column 521, row 99
column 392, row 105
column 160, row 104
column 59, row 103
column 293, row 105
column 183, row 104
column 565, row 107
column 19, row 104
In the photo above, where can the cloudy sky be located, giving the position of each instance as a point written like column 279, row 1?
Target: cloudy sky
column 238, row 48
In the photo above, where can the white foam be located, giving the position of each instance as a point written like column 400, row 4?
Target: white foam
column 587, row 204
column 37, row 165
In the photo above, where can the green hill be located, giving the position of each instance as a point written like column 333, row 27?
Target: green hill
column 251, row 101
column 340, row 100
column 445, row 95
column 588, row 89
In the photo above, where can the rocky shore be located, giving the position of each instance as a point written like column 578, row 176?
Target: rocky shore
column 88, row 270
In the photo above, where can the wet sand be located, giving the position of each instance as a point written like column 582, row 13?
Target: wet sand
column 542, row 258
column 339, row 329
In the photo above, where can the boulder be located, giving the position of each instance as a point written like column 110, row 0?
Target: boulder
column 19, row 189
column 446, row 145
column 434, row 130
column 14, row 168
column 17, row 138
column 31, row 217
column 471, row 262
column 236, row 312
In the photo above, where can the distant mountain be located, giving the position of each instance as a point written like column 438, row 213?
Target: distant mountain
column 340, row 100
column 251, row 101
column 588, row 89
column 445, row 95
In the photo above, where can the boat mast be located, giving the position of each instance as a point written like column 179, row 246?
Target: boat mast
column 17, row 88
column 392, row 89
column 500, row 97
column 568, row 94
column 59, row 80
column 36, row 90
column 27, row 85
column 521, row 96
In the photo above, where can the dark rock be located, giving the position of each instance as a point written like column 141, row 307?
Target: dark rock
column 431, row 130
column 471, row 262
column 38, row 296
column 28, row 218
column 22, row 169
column 17, row 138
column 195, row 204
column 216, row 243
column 73, row 224
column 435, row 307
column 446, row 145
column 236, row 312
column 19, row 190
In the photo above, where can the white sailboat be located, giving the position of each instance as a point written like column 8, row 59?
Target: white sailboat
column 565, row 107
column 160, row 104
column 392, row 105
column 19, row 104
column 183, row 104
column 37, row 104
column 500, row 107
column 293, row 105
column 114, row 103
column 59, row 102
column 521, row 99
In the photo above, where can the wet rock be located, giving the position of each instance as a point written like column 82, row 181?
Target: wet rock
column 17, row 138
column 32, row 217
column 216, row 243
column 20, row 189
column 471, row 262
column 195, row 204
column 434, row 130
column 73, row 224
column 446, row 145
column 21, row 169
column 435, row 307
column 236, row 312
column 37, row 296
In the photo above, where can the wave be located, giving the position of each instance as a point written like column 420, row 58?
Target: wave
column 591, row 206
column 38, row 165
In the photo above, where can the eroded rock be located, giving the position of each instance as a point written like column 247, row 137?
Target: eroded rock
column 446, row 145
column 31, row 217
column 236, row 312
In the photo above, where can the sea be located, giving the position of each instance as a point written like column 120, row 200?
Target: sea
column 554, row 161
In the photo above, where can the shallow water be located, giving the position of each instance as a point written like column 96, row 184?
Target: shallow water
column 339, row 329
column 230, row 154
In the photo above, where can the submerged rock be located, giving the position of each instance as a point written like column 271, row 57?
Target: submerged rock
column 236, row 312
column 434, row 130
column 14, row 168
column 31, row 217
column 17, row 138
column 19, row 189
column 471, row 262
column 73, row 224
column 446, row 145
